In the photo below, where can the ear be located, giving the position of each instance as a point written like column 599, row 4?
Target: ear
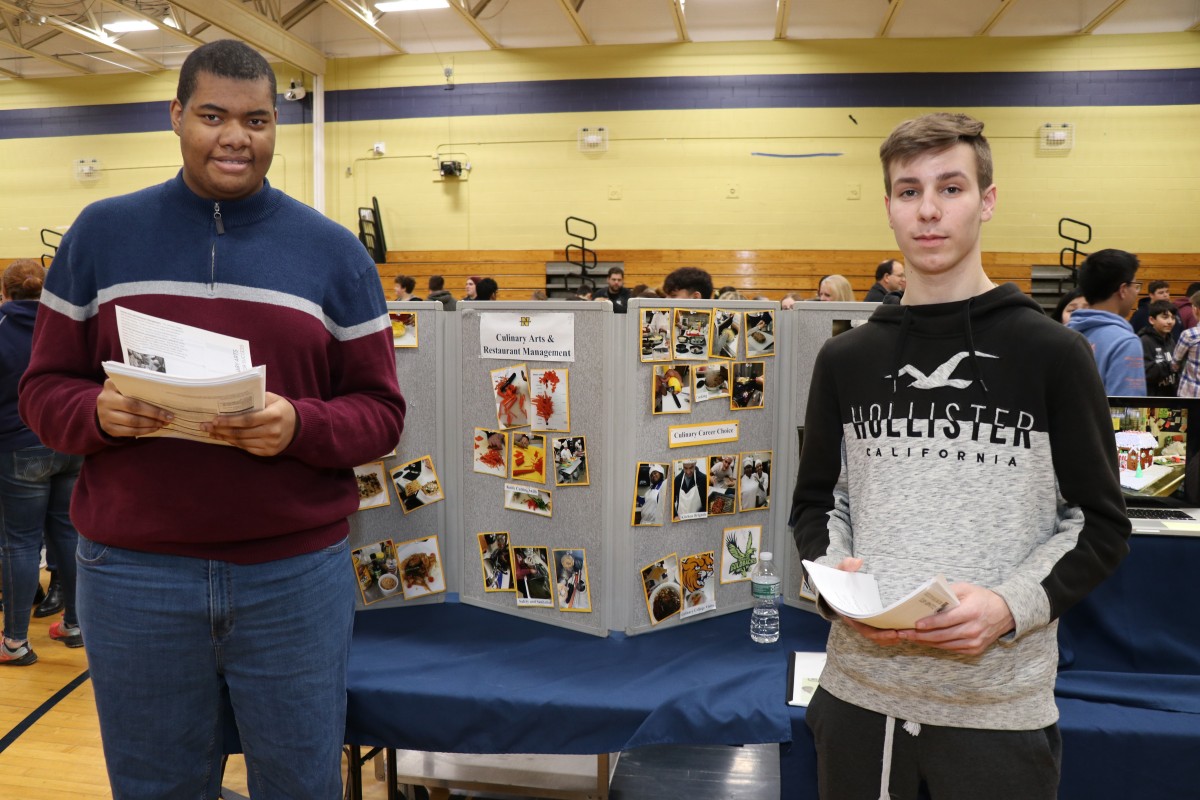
column 989, row 203
column 887, row 204
column 176, row 115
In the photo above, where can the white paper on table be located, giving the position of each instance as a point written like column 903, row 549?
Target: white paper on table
column 804, row 673
column 180, row 350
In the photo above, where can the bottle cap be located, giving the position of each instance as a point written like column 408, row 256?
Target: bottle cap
column 765, row 556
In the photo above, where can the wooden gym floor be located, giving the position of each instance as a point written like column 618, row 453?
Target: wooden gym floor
column 50, row 745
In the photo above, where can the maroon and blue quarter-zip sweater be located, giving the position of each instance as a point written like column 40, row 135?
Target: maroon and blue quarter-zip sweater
column 265, row 268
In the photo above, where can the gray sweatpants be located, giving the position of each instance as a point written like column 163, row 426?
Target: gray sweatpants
column 951, row 763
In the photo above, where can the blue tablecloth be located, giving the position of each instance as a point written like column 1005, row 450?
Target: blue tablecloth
column 458, row 678
column 1128, row 688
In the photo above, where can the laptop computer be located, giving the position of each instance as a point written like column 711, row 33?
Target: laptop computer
column 1158, row 448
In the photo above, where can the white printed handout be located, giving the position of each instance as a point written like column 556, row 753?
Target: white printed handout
column 856, row 595
column 193, row 373
column 180, row 351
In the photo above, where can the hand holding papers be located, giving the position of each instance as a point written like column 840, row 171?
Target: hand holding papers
column 856, row 595
column 189, row 372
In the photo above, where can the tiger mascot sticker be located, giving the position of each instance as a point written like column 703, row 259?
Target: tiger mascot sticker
column 698, row 595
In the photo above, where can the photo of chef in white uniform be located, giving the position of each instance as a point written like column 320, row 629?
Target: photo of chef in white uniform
column 755, row 487
column 690, row 489
column 650, row 494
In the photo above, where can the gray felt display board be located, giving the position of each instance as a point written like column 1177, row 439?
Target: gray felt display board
column 644, row 436
column 808, row 326
column 579, row 515
column 423, row 382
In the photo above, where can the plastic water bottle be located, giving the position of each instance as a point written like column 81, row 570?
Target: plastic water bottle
column 766, row 586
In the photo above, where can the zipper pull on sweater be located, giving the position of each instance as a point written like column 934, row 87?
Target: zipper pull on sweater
column 217, row 219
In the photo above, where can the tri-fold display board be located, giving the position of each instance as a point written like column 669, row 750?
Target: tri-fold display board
column 596, row 471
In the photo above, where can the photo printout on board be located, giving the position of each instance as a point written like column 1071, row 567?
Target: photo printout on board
column 494, row 555
column 650, row 492
column 726, row 330
column 672, row 389
column 511, row 386
column 551, row 400
column 531, row 576
column 570, row 460
column 571, row 581
column 656, row 334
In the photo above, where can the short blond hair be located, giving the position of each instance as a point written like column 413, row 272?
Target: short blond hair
column 839, row 287
column 934, row 133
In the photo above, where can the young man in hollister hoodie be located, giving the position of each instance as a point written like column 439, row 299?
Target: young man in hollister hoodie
column 964, row 433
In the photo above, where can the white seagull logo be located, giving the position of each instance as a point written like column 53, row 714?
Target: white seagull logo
column 941, row 376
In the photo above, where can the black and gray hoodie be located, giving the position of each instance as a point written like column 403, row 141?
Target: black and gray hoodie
column 970, row 439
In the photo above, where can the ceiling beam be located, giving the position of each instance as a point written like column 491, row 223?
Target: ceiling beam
column 783, row 10
column 49, row 59
column 886, row 26
column 80, row 32
column 1000, row 11
column 365, row 19
column 463, row 10
column 257, row 31
column 89, row 35
column 157, row 22
column 568, row 7
column 680, row 19
column 297, row 14
column 1102, row 16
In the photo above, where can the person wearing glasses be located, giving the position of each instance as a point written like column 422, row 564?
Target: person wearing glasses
column 1106, row 279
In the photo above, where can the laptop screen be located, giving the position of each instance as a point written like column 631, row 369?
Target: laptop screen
column 1157, row 449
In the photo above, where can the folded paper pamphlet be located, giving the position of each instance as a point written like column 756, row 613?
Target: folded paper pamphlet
column 193, row 373
column 804, row 673
column 856, row 595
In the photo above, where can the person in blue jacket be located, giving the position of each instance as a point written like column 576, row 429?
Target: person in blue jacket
column 1107, row 280
column 36, row 482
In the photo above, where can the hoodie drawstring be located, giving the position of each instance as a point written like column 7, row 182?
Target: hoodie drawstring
column 889, row 740
column 971, row 347
column 898, row 357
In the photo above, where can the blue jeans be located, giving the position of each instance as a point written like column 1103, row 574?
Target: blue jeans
column 35, row 501
column 173, row 642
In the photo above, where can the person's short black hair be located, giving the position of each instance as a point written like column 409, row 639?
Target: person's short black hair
column 885, row 268
column 1156, row 285
column 693, row 279
column 436, row 283
column 1104, row 272
column 1161, row 307
column 616, row 271
column 408, row 282
column 1193, row 288
column 1063, row 302
column 486, row 288
column 224, row 58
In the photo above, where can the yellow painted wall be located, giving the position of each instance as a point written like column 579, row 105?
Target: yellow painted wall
column 38, row 187
column 1132, row 174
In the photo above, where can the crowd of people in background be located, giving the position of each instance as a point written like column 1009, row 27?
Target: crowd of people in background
column 1143, row 345
column 1147, row 345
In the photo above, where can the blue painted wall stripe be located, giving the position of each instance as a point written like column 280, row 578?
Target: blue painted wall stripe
column 35, row 123
column 1167, row 87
